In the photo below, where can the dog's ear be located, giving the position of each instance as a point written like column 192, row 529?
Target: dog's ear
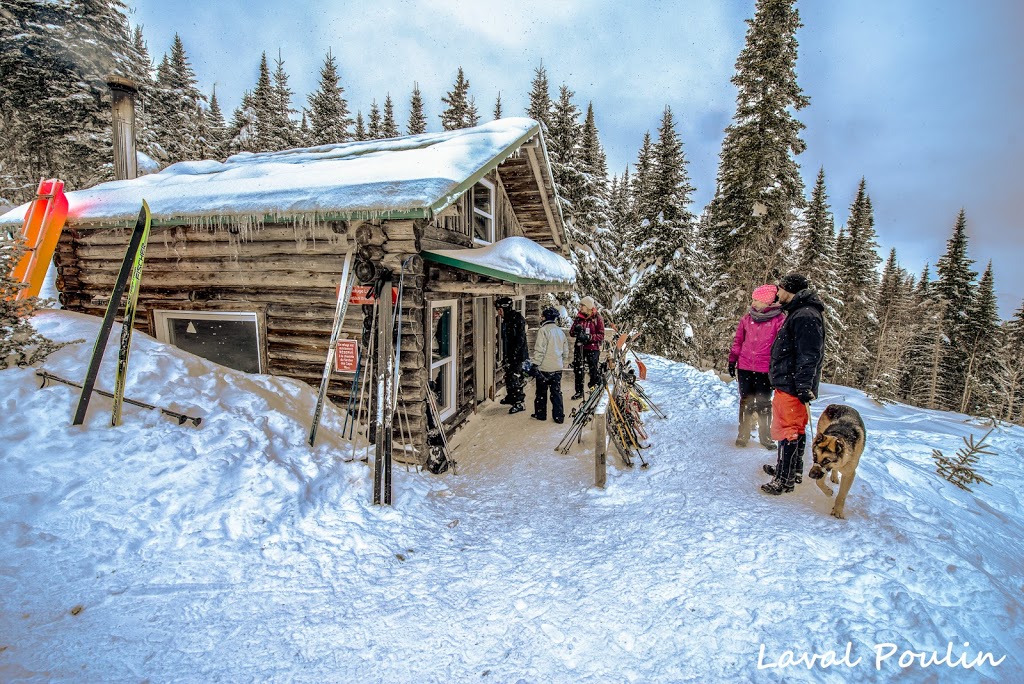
column 818, row 439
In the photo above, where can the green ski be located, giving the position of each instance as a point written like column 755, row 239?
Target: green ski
column 127, row 325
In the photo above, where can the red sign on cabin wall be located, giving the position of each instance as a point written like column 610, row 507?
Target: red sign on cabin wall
column 346, row 356
column 361, row 294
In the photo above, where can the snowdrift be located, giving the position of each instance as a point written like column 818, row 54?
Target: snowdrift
column 233, row 551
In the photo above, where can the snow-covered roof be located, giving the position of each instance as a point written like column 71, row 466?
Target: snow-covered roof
column 408, row 177
column 514, row 259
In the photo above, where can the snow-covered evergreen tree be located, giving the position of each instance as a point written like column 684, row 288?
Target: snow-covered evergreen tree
column 241, row 132
column 55, row 108
column 667, row 296
column 417, row 119
column 374, row 125
column 360, row 129
column 472, row 115
column 1009, row 380
column 955, row 288
column 540, row 97
column 858, row 264
column 329, row 119
column 217, row 128
column 285, row 129
column 759, row 187
column 982, row 342
column 388, row 126
column 497, row 107
column 816, row 258
column 141, row 73
column 457, row 110
column 176, row 102
column 924, row 386
column 894, row 332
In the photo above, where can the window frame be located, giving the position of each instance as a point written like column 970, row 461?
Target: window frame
column 433, row 364
column 162, row 332
column 492, row 229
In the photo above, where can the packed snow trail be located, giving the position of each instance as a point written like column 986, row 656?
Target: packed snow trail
column 235, row 552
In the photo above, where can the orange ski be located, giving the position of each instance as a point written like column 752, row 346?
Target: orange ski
column 43, row 222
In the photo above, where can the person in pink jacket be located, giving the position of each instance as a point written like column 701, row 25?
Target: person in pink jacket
column 750, row 354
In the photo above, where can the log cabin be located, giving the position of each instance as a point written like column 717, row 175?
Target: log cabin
column 245, row 257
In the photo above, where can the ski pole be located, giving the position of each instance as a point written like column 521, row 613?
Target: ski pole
column 180, row 417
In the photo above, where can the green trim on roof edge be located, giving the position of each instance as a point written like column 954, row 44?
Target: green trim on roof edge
column 486, row 270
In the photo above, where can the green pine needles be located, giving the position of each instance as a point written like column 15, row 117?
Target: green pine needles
column 959, row 469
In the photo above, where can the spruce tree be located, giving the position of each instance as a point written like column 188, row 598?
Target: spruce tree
column 216, row 127
column 54, row 108
column 417, row 119
column 472, row 115
column 241, row 134
column 816, row 259
column 264, row 107
column 982, row 342
column 668, row 298
column 1010, row 370
column 497, row 107
column 360, row 129
column 923, row 377
column 955, row 290
column 374, row 126
column 329, row 119
column 286, row 131
column 759, row 187
column 456, row 103
column 894, row 332
column 540, row 97
column 859, row 284
column 141, row 72
column 388, row 126
column 176, row 104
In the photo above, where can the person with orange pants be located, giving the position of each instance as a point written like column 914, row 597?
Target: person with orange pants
column 795, row 373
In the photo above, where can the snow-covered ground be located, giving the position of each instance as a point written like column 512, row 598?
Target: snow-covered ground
column 234, row 552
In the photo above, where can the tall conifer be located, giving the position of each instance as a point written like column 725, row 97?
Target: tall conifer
column 417, row 120
column 329, row 119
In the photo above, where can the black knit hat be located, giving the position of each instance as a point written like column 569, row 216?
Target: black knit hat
column 549, row 314
column 794, row 282
column 503, row 302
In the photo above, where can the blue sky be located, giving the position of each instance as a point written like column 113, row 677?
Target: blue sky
column 921, row 98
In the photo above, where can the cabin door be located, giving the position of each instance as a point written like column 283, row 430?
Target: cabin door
column 485, row 346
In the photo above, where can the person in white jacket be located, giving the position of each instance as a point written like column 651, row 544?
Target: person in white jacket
column 550, row 355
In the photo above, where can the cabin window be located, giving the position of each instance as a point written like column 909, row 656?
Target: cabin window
column 483, row 212
column 230, row 338
column 442, row 355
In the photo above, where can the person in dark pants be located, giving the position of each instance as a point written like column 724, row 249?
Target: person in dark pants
column 588, row 333
column 513, row 344
column 750, row 354
column 550, row 354
column 795, row 371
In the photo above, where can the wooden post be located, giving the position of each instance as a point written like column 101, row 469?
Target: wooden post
column 385, row 386
column 601, row 444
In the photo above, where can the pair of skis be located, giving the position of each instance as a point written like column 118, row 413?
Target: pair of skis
column 130, row 276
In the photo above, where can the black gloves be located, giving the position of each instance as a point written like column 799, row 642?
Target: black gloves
column 732, row 369
column 805, row 396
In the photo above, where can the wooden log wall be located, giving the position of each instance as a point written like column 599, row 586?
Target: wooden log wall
column 286, row 274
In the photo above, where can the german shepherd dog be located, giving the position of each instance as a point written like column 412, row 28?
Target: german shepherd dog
column 837, row 447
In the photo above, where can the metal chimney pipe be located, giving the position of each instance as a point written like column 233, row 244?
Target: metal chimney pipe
column 123, row 110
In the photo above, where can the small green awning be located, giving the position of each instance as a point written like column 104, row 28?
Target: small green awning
column 515, row 260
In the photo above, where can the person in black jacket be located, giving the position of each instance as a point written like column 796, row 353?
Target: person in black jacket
column 514, row 353
column 794, row 372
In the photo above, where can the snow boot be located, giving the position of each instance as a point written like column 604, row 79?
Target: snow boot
column 776, row 487
column 764, row 431
column 516, row 408
column 746, row 421
column 770, row 470
column 578, row 395
column 506, row 400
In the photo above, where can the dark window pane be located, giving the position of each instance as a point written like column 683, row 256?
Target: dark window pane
column 482, row 198
column 481, row 227
column 230, row 343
